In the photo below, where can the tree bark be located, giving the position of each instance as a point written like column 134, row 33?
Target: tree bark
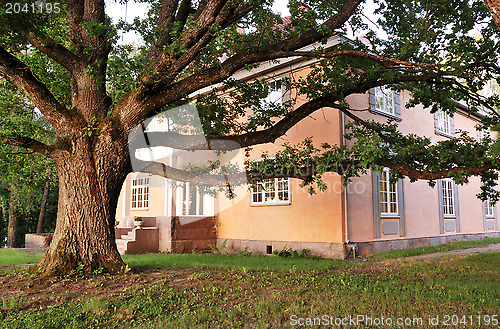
column 494, row 9
column 44, row 205
column 13, row 215
column 91, row 174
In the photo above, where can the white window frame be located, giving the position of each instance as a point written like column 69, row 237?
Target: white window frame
column 444, row 123
column 448, row 198
column 388, row 195
column 482, row 133
column 183, row 202
column 275, row 95
column 489, row 209
column 139, row 196
column 271, row 196
column 384, row 100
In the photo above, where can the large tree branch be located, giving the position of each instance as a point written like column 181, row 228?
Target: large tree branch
column 411, row 172
column 165, row 20
column 304, row 172
column 218, row 13
column 15, row 71
column 197, row 142
column 89, row 33
column 28, row 143
column 269, row 135
column 57, row 52
column 226, row 17
column 389, row 63
column 220, row 179
column 80, row 13
column 143, row 102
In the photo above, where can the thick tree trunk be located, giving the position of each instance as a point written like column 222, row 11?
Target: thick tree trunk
column 90, row 179
column 13, row 215
column 39, row 227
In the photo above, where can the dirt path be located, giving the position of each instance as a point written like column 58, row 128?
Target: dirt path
column 468, row 251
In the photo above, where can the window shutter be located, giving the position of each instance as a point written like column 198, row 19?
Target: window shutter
column 376, row 204
column 371, row 99
column 436, row 123
column 496, row 219
column 440, row 198
column 397, row 104
column 457, row 206
column 485, row 224
column 401, row 208
column 452, row 126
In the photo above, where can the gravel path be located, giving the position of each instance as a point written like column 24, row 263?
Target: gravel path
column 468, row 251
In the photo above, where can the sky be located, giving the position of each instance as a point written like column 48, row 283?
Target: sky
column 134, row 9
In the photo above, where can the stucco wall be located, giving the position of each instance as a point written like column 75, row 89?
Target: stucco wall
column 309, row 218
column 421, row 202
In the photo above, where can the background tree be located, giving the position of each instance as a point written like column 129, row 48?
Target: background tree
column 93, row 91
column 23, row 173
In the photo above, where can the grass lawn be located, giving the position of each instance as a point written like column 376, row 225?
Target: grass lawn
column 233, row 262
column 18, row 256
column 220, row 291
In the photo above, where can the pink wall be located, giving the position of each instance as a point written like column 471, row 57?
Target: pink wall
column 421, row 201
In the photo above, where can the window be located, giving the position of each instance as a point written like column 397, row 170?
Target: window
column 482, row 134
column 140, row 193
column 448, row 197
column 449, row 219
column 275, row 95
column 489, row 216
column 385, row 101
column 274, row 191
column 489, row 209
column 190, row 201
column 444, row 124
column 388, row 195
column 388, row 205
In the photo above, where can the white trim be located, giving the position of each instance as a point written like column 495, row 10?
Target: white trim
column 204, row 202
column 482, row 133
column 444, row 123
column 139, row 195
column 448, row 198
column 263, row 194
column 388, row 193
column 384, row 100
column 489, row 210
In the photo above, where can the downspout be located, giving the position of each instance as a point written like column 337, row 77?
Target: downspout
column 350, row 246
column 344, row 190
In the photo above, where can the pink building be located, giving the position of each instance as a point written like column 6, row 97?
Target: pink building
column 370, row 215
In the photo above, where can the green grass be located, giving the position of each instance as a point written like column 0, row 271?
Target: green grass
column 17, row 257
column 433, row 249
column 207, row 298
column 233, row 262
